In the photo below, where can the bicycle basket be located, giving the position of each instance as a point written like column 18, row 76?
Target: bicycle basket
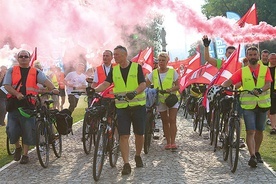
column 64, row 122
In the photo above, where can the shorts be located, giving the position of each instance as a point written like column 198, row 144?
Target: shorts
column 273, row 106
column 19, row 126
column 254, row 119
column 162, row 107
column 61, row 92
column 135, row 115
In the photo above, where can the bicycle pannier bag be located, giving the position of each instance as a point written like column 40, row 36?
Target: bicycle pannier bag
column 64, row 122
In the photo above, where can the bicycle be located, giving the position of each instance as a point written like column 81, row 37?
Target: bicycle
column 10, row 147
column 46, row 128
column 231, row 135
column 152, row 102
column 200, row 116
column 107, row 139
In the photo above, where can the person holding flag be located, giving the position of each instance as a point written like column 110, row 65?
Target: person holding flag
column 218, row 63
column 256, row 78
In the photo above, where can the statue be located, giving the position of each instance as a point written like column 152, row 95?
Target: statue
column 163, row 35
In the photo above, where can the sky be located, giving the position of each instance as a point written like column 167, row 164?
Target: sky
column 178, row 38
column 67, row 28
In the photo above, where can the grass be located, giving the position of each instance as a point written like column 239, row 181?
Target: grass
column 77, row 115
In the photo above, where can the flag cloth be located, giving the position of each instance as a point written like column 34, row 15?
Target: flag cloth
column 229, row 67
column 250, row 17
column 145, row 59
column 202, row 75
column 190, row 63
column 33, row 56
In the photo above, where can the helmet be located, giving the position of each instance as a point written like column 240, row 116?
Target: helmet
column 212, row 92
column 26, row 112
column 195, row 92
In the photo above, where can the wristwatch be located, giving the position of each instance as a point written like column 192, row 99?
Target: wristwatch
column 135, row 92
column 260, row 90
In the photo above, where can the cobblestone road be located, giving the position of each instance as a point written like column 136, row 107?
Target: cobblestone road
column 194, row 162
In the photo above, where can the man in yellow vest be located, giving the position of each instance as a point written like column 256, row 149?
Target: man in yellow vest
column 256, row 78
column 272, row 112
column 129, row 81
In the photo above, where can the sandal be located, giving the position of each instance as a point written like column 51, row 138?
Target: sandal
column 173, row 146
column 168, row 147
column 273, row 131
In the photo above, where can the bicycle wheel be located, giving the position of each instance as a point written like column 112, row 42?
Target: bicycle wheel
column 42, row 143
column 87, row 133
column 180, row 102
column 148, row 132
column 201, row 115
column 216, row 128
column 234, row 138
column 99, row 153
column 114, row 148
column 57, row 143
column 10, row 147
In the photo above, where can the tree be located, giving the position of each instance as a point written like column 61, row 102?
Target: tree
column 265, row 12
column 265, row 8
column 145, row 36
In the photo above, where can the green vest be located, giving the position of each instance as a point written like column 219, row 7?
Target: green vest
column 121, row 88
column 249, row 101
column 167, row 83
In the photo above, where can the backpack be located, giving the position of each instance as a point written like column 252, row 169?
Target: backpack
column 64, row 122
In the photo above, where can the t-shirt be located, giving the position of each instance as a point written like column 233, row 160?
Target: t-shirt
column 237, row 76
column 77, row 80
column 124, row 72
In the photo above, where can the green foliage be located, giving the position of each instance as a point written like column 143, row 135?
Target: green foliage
column 265, row 8
column 146, row 35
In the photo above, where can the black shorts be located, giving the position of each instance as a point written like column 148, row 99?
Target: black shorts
column 61, row 92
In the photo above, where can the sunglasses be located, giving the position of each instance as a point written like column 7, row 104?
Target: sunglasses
column 23, row 56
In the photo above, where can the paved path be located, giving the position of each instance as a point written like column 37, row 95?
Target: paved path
column 194, row 162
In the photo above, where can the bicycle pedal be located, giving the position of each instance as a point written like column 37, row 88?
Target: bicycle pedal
column 155, row 137
column 156, row 130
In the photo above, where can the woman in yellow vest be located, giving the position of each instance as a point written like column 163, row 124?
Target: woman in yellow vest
column 129, row 81
column 169, row 82
column 256, row 78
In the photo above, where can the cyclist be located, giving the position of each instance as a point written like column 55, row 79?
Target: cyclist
column 19, row 81
column 255, row 77
column 129, row 81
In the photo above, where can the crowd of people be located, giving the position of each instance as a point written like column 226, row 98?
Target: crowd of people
column 129, row 81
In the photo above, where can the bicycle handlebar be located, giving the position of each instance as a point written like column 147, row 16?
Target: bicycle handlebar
column 237, row 91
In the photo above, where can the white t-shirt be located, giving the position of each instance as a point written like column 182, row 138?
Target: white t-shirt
column 75, row 79
column 105, row 68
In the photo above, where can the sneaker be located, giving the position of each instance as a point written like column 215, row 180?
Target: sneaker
column 268, row 122
column 241, row 144
column 259, row 158
column 24, row 159
column 273, row 131
column 139, row 162
column 126, row 169
column 252, row 162
column 17, row 154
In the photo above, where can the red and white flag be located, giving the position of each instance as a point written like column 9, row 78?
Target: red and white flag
column 202, row 75
column 33, row 56
column 145, row 58
column 250, row 17
column 229, row 67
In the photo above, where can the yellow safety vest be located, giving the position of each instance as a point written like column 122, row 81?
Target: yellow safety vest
column 167, row 83
column 121, row 88
column 249, row 101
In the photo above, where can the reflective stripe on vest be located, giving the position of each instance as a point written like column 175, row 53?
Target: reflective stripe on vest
column 120, row 88
column 31, row 85
column 167, row 83
column 249, row 101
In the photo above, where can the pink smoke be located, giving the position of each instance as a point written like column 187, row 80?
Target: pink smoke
column 73, row 27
